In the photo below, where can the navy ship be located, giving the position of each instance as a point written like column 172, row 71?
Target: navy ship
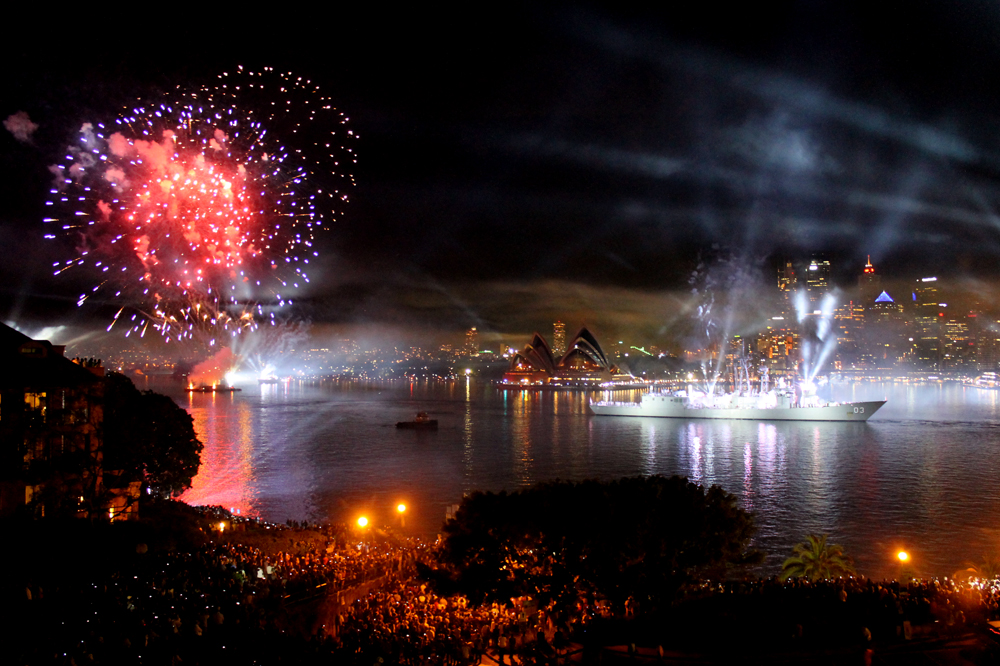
column 770, row 406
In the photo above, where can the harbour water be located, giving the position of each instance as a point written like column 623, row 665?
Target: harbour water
column 920, row 475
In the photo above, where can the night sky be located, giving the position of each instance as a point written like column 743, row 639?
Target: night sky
column 524, row 164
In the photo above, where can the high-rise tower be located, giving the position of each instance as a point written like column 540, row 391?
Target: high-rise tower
column 927, row 318
column 869, row 283
column 558, row 338
column 787, row 281
column 817, row 279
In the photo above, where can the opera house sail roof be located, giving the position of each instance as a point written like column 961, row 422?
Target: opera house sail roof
column 583, row 363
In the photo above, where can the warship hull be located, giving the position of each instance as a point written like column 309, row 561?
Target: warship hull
column 671, row 407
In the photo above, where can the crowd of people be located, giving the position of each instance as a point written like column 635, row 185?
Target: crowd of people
column 237, row 601
column 226, row 600
column 405, row 622
column 851, row 612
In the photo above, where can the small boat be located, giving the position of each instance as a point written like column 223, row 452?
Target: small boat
column 422, row 422
column 268, row 380
column 205, row 388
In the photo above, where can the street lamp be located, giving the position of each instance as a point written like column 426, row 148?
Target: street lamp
column 362, row 522
column 401, row 509
column 905, row 561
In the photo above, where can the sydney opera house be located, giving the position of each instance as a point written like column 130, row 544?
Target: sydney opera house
column 583, row 364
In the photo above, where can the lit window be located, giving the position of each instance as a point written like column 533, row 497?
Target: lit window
column 35, row 402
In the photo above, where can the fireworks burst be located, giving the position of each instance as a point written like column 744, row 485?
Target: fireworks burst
column 198, row 210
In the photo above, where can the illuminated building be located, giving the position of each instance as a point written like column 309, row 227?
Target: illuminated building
column 777, row 347
column 558, row 338
column 885, row 330
column 848, row 329
column 814, row 277
column 585, row 363
column 987, row 341
column 533, row 365
column 869, row 283
column 817, row 279
column 787, row 282
column 958, row 343
column 51, row 429
column 855, row 348
column 472, row 341
column 927, row 317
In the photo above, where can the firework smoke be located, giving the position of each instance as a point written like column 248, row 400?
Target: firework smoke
column 263, row 351
column 20, row 125
column 819, row 340
column 215, row 370
column 725, row 293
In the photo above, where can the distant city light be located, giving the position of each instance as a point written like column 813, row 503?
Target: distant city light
column 930, row 279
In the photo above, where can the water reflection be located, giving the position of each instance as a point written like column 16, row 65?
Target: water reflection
column 921, row 472
column 225, row 426
column 748, row 485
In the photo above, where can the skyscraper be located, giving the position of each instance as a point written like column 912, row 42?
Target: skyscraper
column 472, row 341
column 786, row 276
column 869, row 289
column 869, row 283
column 817, row 279
column 885, row 331
column 927, row 322
column 558, row 338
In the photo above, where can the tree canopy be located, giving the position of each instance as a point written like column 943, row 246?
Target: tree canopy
column 816, row 559
column 987, row 569
column 149, row 438
column 640, row 537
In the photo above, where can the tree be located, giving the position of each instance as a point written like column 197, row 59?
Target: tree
column 815, row 559
column 641, row 537
column 149, row 438
column 988, row 569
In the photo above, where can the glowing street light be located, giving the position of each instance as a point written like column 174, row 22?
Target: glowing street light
column 905, row 561
column 362, row 522
column 401, row 509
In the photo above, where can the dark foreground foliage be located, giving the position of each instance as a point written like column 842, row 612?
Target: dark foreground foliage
column 149, row 438
column 638, row 539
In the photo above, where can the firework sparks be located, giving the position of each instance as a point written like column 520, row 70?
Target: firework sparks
column 199, row 210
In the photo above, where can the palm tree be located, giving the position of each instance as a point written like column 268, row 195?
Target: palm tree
column 988, row 569
column 816, row 559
